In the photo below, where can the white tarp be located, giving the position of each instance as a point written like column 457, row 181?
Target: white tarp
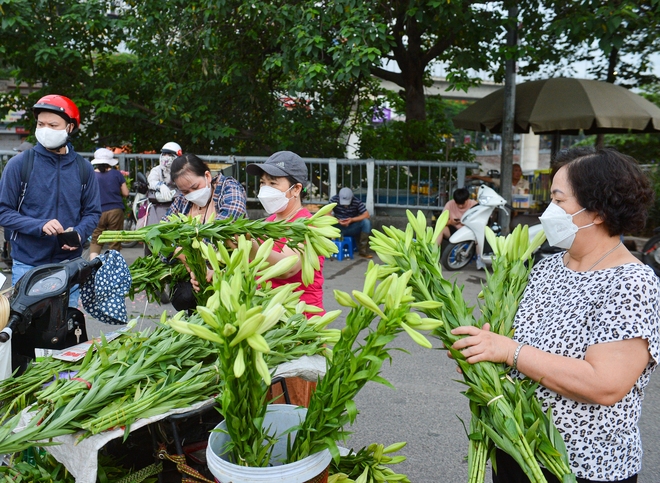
column 82, row 459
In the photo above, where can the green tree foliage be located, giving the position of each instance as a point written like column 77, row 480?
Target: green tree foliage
column 249, row 78
column 340, row 40
column 654, row 212
column 615, row 37
column 152, row 72
column 395, row 139
column 60, row 44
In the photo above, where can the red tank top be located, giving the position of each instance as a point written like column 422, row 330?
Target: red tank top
column 311, row 294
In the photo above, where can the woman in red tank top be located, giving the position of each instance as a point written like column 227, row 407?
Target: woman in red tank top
column 283, row 178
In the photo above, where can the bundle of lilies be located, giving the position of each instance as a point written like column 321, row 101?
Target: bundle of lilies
column 505, row 411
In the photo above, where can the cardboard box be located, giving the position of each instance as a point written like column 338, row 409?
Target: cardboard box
column 522, row 201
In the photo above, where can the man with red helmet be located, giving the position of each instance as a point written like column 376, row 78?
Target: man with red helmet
column 60, row 194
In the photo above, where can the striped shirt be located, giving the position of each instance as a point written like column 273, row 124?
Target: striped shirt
column 341, row 212
column 228, row 200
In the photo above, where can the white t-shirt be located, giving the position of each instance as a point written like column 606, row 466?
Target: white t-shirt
column 564, row 312
column 520, row 187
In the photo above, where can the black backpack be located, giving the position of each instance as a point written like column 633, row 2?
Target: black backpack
column 84, row 167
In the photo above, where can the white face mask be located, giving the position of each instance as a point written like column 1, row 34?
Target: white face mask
column 200, row 197
column 51, row 138
column 272, row 199
column 559, row 227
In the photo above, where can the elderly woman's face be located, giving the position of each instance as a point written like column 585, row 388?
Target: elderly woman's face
column 562, row 195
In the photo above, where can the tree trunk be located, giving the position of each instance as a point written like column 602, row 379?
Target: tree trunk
column 415, row 99
column 611, row 77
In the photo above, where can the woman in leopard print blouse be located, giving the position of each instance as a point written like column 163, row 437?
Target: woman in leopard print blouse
column 588, row 325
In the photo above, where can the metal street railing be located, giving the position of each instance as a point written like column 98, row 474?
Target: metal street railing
column 379, row 183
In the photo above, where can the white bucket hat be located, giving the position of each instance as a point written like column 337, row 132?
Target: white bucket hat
column 104, row 156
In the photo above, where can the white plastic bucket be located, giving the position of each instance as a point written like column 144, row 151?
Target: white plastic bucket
column 279, row 417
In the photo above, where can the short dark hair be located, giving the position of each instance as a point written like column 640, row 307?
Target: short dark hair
column 188, row 162
column 612, row 185
column 565, row 156
column 293, row 182
column 461, row 195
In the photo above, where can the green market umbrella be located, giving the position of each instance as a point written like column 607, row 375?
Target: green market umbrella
column 565, row 106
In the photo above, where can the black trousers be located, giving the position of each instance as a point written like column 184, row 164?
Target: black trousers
column 508, row 471
column 182, row 296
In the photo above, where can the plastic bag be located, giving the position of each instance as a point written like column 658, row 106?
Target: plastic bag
column 5, row 358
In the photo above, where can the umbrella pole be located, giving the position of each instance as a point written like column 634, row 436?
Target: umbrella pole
column 508, row 119
column 556, row 143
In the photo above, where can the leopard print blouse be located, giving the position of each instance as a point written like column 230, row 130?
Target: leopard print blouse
column 564, row 312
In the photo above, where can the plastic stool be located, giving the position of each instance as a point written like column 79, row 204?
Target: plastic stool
column 345, row 246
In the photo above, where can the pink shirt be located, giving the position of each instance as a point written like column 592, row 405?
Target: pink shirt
column 456, row 213
column 311, row 294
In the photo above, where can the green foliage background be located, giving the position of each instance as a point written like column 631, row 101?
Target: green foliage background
column 250, row 78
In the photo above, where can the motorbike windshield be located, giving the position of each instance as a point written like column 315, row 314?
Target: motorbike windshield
column 489, row 197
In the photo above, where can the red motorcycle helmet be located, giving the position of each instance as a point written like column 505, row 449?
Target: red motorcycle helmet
column 60, row 105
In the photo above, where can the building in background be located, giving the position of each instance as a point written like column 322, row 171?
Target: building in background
column 12, row 136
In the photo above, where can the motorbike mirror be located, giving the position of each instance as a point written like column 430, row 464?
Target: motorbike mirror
column 489, row 197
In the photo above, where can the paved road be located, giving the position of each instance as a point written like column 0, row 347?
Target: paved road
column 426, row 408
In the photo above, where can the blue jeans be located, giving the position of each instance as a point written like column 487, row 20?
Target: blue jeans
column 354, row 229
column 19, row 269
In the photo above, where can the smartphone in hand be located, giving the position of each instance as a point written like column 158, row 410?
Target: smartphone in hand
column 69, row 238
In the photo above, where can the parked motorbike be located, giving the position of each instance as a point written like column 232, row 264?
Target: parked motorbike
column 40, row 316
column 468, row 242
column 651, row 252
column 141, row 187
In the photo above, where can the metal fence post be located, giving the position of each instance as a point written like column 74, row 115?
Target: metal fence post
column 234, row 169
column 460, row 176
column 370, row 186
column 122, row 162
column 332, row 174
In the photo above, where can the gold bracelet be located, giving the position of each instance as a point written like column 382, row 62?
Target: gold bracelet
column 516, row 353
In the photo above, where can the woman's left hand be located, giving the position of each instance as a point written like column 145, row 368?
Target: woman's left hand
column 195, row 284
column 484, row 345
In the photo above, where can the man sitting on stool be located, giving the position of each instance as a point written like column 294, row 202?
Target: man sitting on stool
column 353, row 219
column 456, row 207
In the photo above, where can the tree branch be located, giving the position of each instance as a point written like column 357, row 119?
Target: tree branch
column 443, row 44
column 438, row 48
column 387, row 75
